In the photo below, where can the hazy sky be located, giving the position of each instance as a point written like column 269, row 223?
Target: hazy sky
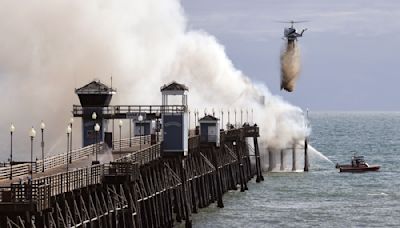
column 349, row 53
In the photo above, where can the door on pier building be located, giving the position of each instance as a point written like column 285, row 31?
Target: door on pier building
column 174, row 138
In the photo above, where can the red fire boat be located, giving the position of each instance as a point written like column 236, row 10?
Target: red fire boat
column 358, row 164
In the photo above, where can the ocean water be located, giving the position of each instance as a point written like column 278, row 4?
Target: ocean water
column 324, row 197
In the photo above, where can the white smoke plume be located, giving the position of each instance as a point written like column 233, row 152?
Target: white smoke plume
column 48, row 48
column 290, row 65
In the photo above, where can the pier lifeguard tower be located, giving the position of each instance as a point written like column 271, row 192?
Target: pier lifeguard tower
column 93, row 98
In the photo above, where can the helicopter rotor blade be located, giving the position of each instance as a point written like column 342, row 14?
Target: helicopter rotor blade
column 292, row 22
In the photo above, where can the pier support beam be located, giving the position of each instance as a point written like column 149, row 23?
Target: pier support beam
column 258, row 161
column 282, row 160
column 306, row 165
column 294, row 158
column 270, row 161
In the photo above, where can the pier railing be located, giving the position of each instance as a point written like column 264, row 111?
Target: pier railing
column 17, row 170
column 127, row 111
column 135, row 141
column 61, row 159
column 142, row 156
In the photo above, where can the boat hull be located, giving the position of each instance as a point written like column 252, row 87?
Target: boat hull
column 349, row 168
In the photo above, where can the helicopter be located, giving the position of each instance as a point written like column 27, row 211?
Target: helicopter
column 290, row 33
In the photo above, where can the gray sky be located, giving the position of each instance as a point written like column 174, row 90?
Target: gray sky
column 349, row 53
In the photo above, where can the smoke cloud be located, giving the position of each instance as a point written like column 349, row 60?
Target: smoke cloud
column 48, row 48
column 290, row 66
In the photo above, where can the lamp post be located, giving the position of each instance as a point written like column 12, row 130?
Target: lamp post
column 42, row 127
column 195, row 118
column 229, row 117
column 12, row 129
column 96, row 129
column 130, row 132
column 120, row 134
column 71, row 121
column 68, row 131
column 252, row 117
column 235, row 118
column 94, row 117
column 140, row 118
column 32, row 134
column 222, row 118
column 241, row 117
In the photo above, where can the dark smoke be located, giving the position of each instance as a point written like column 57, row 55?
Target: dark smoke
column 290, row 66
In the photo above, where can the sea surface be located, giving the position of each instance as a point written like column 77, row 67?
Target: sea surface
column 323, row 197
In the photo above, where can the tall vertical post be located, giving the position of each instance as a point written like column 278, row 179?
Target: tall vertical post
column 70, row 144
column 12, row 129
column 67, row 151
column 11, row 156
column 294, row 157
column 120, row 135
column 130, row 132
column 220, row 203
column 235, row 119
column 306, row 155
column 229, row 118
column 96, row 144
column 71, row 121
column 69, row 130
column 270, row 161
column 258, row 160
column 140, row 118
column 188, row 222
column 241, row 117
column 113, row 120
column 42, row 126
column 282, row 160
column 222, row 119
column 94, row 117
column 32, row 134
column 42, row 145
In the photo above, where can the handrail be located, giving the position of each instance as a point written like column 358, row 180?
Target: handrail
column 121, row 110
column 142, row 156
column 61, row 159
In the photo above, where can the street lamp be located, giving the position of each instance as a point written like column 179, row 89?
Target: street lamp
column 229, row 118
column 71, row 121
column 96, row 129
column 222, row 117
column 235, row 118
column 94, row 117
column 42, row 127
column 241, row 117
column 140, row 118
column 120, row 134
column 12, row 129
column 32, row 134
column 68, row 131
column 130, row 132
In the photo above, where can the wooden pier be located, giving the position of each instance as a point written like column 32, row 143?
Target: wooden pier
column 139, row 189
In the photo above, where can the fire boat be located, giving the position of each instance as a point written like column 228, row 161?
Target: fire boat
column 358, row 164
